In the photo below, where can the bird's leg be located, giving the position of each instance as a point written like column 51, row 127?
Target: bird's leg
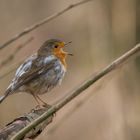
column 36, row 98
column 44, row 103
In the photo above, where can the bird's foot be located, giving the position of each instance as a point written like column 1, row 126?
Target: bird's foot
column 44, row 105
column 39, row 107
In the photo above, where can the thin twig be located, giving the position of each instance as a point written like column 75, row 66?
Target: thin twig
column 11, row 69
column 12, row 56
column 77, row 91
column 40, row 23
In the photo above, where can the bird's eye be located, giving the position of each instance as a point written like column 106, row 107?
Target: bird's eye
column 56, row 46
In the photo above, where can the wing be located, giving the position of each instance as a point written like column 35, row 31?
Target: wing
column 29, row 71
column 23, row 70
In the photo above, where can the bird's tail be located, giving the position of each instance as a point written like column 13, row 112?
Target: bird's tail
column 2, row 98
column 6, row 94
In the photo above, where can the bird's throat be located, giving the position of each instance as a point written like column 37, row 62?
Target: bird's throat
column 62, row 56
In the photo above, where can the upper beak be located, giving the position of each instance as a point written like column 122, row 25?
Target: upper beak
column 66, row 44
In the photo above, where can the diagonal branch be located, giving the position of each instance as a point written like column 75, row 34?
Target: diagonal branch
column 19, row 123
column 40, row 23
column 115, row 64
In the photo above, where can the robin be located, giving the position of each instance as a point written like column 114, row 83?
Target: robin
column 41, row 72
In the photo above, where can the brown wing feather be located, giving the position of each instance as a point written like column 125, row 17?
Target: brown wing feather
column 28, row 76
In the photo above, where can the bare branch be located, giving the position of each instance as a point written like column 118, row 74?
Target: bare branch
column 115, row 64
column 12, row 56
column 19, row 123
column 40, row 23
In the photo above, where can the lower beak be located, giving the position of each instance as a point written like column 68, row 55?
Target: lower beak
column 70, row 54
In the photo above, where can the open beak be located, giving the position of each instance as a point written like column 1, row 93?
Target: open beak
column 66, row 45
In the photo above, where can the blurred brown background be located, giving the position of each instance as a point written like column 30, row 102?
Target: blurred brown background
column 100, row 31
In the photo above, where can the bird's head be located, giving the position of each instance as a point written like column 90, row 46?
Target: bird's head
column 54, row 47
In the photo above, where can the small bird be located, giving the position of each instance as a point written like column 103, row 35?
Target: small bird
column 41, row 72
